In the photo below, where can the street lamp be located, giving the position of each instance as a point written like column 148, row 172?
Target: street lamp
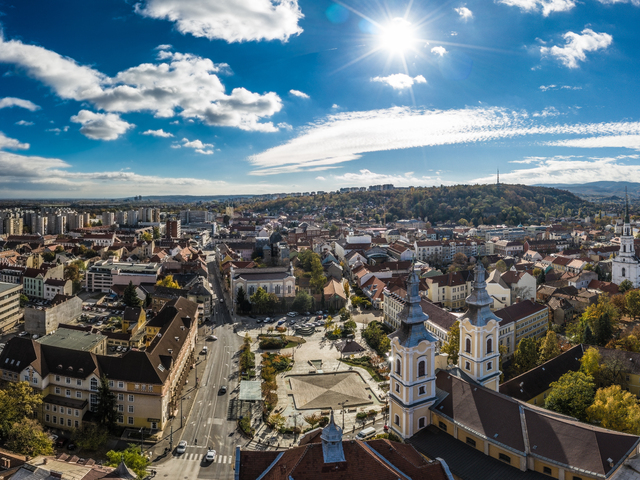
column 343, row 408
column 141, row 438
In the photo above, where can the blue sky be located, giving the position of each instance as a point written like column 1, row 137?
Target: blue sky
column 214, row 97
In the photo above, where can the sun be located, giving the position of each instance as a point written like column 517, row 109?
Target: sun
column 397, row 36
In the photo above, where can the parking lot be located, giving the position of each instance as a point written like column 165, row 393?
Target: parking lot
column 292, row 321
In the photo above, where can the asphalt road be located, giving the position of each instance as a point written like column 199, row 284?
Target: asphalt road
column 207, row 426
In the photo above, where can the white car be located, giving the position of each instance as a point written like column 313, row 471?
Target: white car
column 210, row 456
column 182, row 447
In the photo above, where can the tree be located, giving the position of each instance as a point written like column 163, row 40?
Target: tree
column 27, row 437
column 72, row 272
column 620, row 302
column 313, row 419
column 328, row 324
column 17, row 401
column 276, row 421
column 23, row 300
column 625, row 286
column 130, row 297
column 156, row 233
column 615, row 409
column 168, row 282
column 549, row 348
column 90, row 436
column 344, row 314
column 539, row 274
column 349, row 327
column 612, row 372
column 632, row 300
column 590, row 362
column 241, row 299
column 376, row 338
column 571, row 395
column 526, row 355
column 146, row 237
column 501, row 266
column 303, row 302
column 132, row 459
column 105, row 412
column 345, row 285
column 588, row 337
column 452, row 347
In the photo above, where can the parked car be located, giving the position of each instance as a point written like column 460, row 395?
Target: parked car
column 211, row 337
column 205, row 349
column 61, row 442
column 71, row 447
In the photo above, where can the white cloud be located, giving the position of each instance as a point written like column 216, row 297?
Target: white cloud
column 400, row 81
column 164, row 46
column 12, row 143
column 101, row 126
column 546, row 88
column 285, row 126
column 298, row 93
column 612, row 141
column 335, row 106
column 58, row 131
column 24, row 123
column 464, row 13
column 547, row 112
column 545, row 6
column 158, row 133
column 197, row 145
column 18, row 102
column 230, row 20
column 439, row 51
column 179, row 84
column 367, row 177
column 613, row 2
column 322, row 179
column 346, row 136
column 577, row 45
column 569, row 170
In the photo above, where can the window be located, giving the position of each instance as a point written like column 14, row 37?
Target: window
column 623, row 271
column 421, row 391
column 67, row 380
column 277, row 290
column 130, row 420
column 396, row 420
column 121, row 397
column 131, row 398
column 504, row 458
column 111, row 383
column 120, row 384
column 398, row 366
column 489, row 366
column 130, row 408
column 489, row 345
column 443, row 426
column 26, row 378
column 68, row 422
column 93, row 402
column 55, row 408
column 421, row 368
column 471, row 441
column 57, row 390
column 46, row 418
column 68, row 411
column 467, row 345
column 55, row 419
column 79, row 382
column 151, row 388
column 421, row 422
column 61, row 421
column 546, row 470
column 35, row 379
column 120, row 419
column 57, row 378
column 67, row 392
column 76, row 412
column 46, row 407
column 121, row 408
column 76, row 424
column 398, row 387
column 94, row 384
column 467, row 365
column 78, row 394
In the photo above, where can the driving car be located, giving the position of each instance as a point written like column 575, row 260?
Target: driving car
column 223, row 390
column 210, row 456
column 212, row 337
column 182, row 447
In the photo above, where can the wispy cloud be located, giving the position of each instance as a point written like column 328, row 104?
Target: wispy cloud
column 611, row 141
column 400, row 81
column 366, row 177
column 298, row 93
column 545, row 6
column 24, row 123
column 465, row 13
column 546, row 88
column 18, row 102
column 347, row 136
column 577, row 44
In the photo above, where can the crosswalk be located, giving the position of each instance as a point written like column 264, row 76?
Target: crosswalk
column 199, row 457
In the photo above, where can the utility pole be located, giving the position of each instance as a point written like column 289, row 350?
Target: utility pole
column 171, row 439
column 181, row 417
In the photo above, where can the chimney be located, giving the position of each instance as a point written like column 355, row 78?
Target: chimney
column 518, row 299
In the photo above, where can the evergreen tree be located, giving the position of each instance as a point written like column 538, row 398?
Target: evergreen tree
column 107, row 404
column 588, row 337
column 130, row 297
column 604, row 330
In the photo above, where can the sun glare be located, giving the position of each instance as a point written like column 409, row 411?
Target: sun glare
column 398, row 36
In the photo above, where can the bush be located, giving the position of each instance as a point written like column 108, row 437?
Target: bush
column 272, row 342
column 245, row 426
column 361, row 415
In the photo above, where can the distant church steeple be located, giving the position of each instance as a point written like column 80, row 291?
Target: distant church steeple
column 498, row 178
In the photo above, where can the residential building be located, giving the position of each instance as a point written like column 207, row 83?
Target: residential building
column 33, row 280
column 147, row 385
column 56, row 286
column 429, row 251
column 450, row 289
column 42, row 320
column 530, row 320
column 9, row 305
column 173, row 229
column 521, row 283
column 498, row 289
column 102, row 275
column 508, row 248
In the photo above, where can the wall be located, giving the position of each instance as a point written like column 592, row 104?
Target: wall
column 43, row 322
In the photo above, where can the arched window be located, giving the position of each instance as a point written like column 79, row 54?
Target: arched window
column 398, row 366
column 467, row 346
column 252, row 290
column 396, row 420
column 623, row 271
column 489, row 345
column 277, row 289
column 421, row 368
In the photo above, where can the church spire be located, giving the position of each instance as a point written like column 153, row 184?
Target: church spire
column 626, row 206
column 479, row 301
column 332, row 442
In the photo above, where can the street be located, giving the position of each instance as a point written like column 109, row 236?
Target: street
column 206, row 426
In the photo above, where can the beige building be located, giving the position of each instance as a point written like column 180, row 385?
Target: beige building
column 450, row 289
column 525, row 319
column 9, row 305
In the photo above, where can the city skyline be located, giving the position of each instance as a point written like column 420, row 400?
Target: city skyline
column 222, row 97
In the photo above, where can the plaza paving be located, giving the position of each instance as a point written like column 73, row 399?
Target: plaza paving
column 329, row 390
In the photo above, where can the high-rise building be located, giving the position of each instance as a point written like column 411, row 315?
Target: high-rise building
column 108, row 218
column 174, row 229
column 121, row 218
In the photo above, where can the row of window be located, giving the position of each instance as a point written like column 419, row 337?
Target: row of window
column 55, row 408
column 422, row 366
column 467, row 345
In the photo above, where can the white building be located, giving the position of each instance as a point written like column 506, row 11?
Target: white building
column 626, row 266
column 101, row 276
column 277, row 280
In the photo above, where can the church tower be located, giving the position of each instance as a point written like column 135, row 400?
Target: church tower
column 479, row 331
column 412, row 388
column 626, row 265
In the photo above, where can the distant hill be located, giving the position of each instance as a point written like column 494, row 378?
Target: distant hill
column 476, row 204
column 604, row 190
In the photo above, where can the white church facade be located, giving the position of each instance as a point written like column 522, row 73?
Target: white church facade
column 626, row 266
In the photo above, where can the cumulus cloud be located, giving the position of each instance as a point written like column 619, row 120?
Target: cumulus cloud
column 178, row 84
column 197, row 145
column 464, row 13
column 322, row 179
column 18, row 102
column 577, row 44
column 298, row 93
column 229, row 20
column 101, row 126
column 439, row 51
column 12, row 143
column 366, row 177
column 344, row 137
column 399, row 81
column 545, row 6
column 24, row 123
column 158, row 133
column 569, row 170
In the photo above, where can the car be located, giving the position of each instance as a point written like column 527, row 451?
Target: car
column 61, row 442
column 124, row 349
column 182, row 447
column 99, row 323
column 223, row 390
column 319, row 317
column 319, row 312
column 205, row 349
column 307, row 313
column 292, row 314
column 22, row 334
column 71, row 447
column 210, row 456
column 267, row 320
column 222, row 300
column 259, row 320
column 211, row 337
column 280, row 322
column 119, row 348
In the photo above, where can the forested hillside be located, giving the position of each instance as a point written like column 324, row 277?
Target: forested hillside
column 475, row 204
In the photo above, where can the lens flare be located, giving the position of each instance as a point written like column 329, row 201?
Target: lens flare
column 397, row 36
